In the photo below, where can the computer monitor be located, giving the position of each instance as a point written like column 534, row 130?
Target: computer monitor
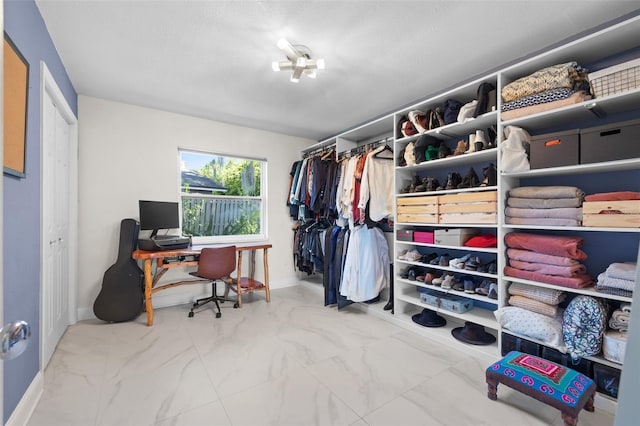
column 155, row 215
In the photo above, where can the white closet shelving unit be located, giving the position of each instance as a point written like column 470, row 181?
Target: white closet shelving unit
column 407, row 297
column 615, row 40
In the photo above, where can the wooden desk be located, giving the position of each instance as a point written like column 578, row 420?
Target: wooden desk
column 151, row 279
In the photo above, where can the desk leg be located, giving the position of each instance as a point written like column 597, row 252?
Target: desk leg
column 266, row 275
column 148, row 282
column 239, row 274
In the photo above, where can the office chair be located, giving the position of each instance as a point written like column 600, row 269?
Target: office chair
column 215, row 264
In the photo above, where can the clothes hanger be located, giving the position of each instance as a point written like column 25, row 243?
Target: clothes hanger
column 386, row 148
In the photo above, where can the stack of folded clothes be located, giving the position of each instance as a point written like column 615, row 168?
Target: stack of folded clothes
column 619, row 278
column 547, row 258
column 619, row 320
column 549, row 88
column 545, row 205
column 534, row 313
column 541, row 300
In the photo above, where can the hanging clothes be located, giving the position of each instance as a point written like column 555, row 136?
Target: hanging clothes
column 366, row 268
column 377, row 184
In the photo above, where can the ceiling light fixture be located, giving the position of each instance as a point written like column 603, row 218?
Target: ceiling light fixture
column 299, row 60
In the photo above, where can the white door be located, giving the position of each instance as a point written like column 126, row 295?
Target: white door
column 58, row 154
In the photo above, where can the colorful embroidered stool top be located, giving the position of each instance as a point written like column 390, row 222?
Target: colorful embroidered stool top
column 546, row 381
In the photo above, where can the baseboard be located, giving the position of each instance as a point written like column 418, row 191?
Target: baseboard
column 28, row 402
column 165, row 299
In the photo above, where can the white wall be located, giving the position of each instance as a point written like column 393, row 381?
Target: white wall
column 128, row 153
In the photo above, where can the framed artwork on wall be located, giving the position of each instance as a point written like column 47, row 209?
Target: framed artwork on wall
column 16, row 88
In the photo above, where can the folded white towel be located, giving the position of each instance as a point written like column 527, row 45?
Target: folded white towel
column 625, row 307
column 625, row 271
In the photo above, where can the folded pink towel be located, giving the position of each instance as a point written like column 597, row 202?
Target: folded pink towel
column 547, row 244
column 561, row 213
column 613, row 196
column 543, row 268
column 532, row 256
column 543, row 221
column 580, row 281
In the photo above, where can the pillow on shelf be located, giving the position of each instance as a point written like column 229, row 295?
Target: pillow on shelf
column 546, row 329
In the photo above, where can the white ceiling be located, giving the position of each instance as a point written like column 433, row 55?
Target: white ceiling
column 212, row 59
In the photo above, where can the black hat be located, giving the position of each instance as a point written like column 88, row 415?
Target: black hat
column 429, row 318
column 473, row 333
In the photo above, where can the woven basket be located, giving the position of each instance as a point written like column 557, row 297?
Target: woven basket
column 616, row 79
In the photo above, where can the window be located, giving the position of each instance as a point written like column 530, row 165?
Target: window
column 222, row 197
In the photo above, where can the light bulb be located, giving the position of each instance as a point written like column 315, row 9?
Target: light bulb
column 275, row 66
column 320, row 64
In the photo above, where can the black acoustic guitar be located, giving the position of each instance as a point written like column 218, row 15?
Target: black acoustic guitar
column 122, row 297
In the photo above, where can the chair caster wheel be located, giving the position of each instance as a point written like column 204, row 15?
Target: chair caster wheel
column 190, row 314
column 218, row 315
column 235, row 305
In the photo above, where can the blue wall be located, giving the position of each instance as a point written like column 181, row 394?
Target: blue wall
column 21, row 204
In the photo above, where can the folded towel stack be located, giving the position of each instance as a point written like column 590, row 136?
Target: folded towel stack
column 536, row 299
column 619, row 320
column 619, row 278
column 547, row 258
column 548, row 88
column 545, row 205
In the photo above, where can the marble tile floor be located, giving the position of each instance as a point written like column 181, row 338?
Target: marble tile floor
column 289, row 362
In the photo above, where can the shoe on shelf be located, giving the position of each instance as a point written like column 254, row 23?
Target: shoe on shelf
column 402, row 254
column 448, row 282
column 483, row 288
column 470, row 286
column 461, row 148
column 444, row 260
column 492, row 267
column 429, row 277
column 472, row 264
column 458, row 262
column 490, row 176
column 470, row 180
column 472, row 144
column 493, row 291
column 413, row 255
column 453, row 180
column 427, row 258
column 458, row 286
column 432, row 184
column 443, row 151
column 438, row 280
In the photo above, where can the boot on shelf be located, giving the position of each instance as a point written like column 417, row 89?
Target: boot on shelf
column 470, row 180
column 461, row 148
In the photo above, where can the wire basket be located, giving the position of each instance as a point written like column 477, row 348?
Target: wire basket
column 616, row 79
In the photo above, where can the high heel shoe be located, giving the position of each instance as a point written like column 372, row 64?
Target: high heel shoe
column 490, row 176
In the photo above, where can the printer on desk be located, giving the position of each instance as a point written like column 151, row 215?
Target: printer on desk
column 164, row 242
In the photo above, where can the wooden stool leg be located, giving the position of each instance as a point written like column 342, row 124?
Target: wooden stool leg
column 589, row 404
column 492, row 389
column 569, row 420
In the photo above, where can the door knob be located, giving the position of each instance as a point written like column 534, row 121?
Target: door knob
column 14, row 339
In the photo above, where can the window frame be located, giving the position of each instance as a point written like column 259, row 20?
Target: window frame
column 203, row 240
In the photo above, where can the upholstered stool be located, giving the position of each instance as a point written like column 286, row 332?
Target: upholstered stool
column 555, row 385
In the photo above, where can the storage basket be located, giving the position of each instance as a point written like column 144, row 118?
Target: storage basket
column 616, row 79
